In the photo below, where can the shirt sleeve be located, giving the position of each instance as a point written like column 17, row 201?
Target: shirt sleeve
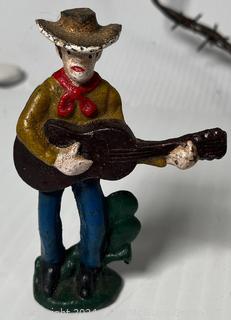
column 30, row 125
column 157, row 162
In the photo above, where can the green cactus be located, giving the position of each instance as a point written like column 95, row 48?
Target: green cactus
column 123, row 226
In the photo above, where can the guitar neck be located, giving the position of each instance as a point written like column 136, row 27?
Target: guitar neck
column 211, row 144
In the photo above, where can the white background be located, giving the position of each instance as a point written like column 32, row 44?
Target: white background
column 181, row 268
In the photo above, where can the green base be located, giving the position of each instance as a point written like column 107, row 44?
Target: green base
column 66, row 299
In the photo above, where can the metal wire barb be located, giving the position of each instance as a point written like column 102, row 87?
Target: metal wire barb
column 211, row 35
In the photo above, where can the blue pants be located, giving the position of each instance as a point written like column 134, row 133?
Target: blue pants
column 90, row 201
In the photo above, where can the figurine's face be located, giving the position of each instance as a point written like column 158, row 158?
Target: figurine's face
column 79, row 66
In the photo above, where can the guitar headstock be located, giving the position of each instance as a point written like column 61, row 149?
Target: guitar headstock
column 211, row 143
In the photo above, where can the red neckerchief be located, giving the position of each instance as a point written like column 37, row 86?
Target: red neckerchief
column 66, row 104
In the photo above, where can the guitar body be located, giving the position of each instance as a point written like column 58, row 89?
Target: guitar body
column 95, row 141
column 112, row 147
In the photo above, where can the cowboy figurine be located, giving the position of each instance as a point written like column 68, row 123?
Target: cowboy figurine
column 76, row 94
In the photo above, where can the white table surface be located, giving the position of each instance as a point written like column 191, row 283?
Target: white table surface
column 181, row 268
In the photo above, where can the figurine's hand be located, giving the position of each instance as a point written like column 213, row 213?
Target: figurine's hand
column 183, row 157
column 70, row 163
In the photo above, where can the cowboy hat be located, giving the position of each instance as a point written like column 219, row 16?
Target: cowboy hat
column 78, row 30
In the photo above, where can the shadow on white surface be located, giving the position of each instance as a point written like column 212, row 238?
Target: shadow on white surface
column 180, row 228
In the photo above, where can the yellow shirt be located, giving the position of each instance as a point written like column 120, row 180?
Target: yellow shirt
column 42, row 106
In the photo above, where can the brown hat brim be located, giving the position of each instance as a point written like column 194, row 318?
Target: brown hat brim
column 84, row 42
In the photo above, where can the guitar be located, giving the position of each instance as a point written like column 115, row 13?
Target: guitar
column 112, row 147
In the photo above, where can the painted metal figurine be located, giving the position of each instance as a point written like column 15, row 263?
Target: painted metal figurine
column 72, row 133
